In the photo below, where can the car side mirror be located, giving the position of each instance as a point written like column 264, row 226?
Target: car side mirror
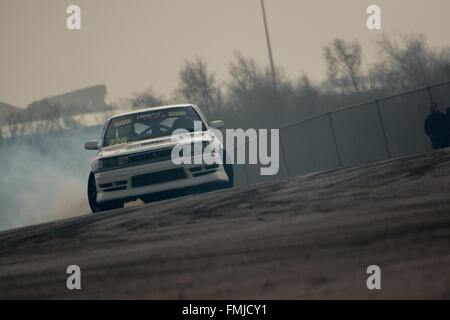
column 217, row 124
column 91, row 145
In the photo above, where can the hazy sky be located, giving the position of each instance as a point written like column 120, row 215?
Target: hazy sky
column 132, row 44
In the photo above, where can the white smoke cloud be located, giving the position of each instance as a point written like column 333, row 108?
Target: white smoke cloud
column 45, row 178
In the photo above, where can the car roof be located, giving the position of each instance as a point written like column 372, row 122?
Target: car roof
column 152, row 109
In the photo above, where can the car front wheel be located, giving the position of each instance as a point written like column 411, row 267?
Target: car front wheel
column 92, row 197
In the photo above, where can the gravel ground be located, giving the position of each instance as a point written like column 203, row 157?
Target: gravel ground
column 309, row 237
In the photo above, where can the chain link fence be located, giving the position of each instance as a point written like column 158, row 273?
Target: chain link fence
column 354, row 135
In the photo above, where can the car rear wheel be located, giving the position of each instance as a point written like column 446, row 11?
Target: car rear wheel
column 92, row 197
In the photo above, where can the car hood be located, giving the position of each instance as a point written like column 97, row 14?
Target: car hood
column 151, row 144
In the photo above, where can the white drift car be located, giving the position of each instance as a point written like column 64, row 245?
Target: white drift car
column 134, row 159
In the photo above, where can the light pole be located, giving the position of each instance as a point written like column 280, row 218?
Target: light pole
column 268, row 45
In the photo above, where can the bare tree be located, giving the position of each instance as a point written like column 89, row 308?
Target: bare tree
column 147, row 99
column 306, row 98
column 408, row 64
column 198, row 86
column 250, row 89
column 344, row 63
column 245, row 75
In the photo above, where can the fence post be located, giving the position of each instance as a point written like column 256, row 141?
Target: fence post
column 246, row 174
column 283, row 154
column 380, row 117
column 334, row 139
column 245, row 165
column 429, row 94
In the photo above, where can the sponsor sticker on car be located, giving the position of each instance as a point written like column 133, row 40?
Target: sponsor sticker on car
column 122, row 122
column 151, row 116
column 176, row 113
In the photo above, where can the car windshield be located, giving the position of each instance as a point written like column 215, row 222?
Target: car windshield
column 150, row 124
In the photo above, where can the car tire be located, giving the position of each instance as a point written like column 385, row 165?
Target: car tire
column 92, row 198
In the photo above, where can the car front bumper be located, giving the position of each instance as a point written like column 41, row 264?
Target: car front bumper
column 135, row 181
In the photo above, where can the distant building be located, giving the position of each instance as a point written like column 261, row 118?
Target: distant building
column 90, row 99
column 5, row 110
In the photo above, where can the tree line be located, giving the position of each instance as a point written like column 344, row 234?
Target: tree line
column 249, row 99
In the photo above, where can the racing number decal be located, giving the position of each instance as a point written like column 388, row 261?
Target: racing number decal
column 117, row 140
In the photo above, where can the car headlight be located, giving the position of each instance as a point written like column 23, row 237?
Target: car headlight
column 194, row 147
column 207, row 143
column 108, row 163
column 98, row 164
